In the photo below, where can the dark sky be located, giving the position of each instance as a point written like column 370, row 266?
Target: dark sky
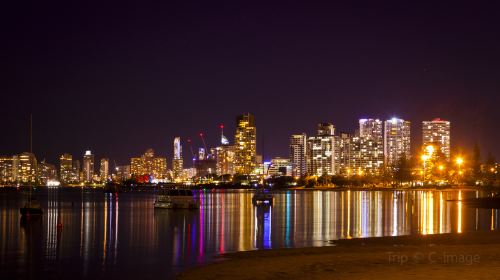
column 119, row 78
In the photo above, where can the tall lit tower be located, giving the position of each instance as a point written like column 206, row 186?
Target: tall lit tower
column 88, row 166
column 104, row 169
column 369, row 155
column 437, row 133
column 66, row 168
column 245, row 141
column 321, row 151
column 396, row 141
column 177, row 163
column 298, row 154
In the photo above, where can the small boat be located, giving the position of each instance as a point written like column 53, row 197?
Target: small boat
column 175, row 199
column 32, row 206
column 263, row 197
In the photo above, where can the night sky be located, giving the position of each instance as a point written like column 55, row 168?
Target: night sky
column 119, row 78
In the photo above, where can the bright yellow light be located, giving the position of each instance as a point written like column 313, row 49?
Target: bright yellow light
column 430, row 149
column 460, row 161
column 441, row 167
column 492, row 169
column 425, row 157
column 460, row 172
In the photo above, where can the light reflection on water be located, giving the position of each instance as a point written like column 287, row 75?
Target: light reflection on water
column 92, row 234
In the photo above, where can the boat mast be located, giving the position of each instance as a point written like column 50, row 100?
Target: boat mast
column 31, row 133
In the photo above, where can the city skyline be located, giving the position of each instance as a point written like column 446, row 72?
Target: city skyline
column 375, row 148
column 416, row 141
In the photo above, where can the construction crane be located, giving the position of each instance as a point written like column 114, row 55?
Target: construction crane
column 203, row 140
column 191, row 147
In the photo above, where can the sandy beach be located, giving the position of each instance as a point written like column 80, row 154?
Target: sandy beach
column 446, row 256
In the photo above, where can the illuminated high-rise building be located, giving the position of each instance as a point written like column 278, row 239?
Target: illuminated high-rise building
column 298, row 143
column 396, row 141
column 155, row 168
column 66, row 173
column 46, row 172
column 368, row 148
column 437, row 134
column 25, row 168
column 245, row 142
column 77, row 174
column 224, row 156
column 6, row 170
column 88, row 166
column 321, row 151
column 122, row 173
column 342, row 153
column 104, row 169
column 177, row 162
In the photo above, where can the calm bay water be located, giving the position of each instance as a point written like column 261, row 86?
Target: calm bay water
column 88, row 234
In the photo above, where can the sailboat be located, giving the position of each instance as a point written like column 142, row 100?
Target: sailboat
column 32, row 206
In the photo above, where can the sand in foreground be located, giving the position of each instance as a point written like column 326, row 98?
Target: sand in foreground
column 446, row 256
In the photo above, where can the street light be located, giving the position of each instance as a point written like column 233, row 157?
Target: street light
column 424, row 159
column 459, row 162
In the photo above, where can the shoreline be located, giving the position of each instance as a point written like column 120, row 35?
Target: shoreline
column 473, row 255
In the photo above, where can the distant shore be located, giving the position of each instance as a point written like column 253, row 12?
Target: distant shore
column 140, row 188
column 474, row 255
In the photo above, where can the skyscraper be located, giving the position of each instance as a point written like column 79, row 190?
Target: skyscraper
column 25, row 168
column 6, row 170
column 46, row 172
column 342, row 153
column 437, row 133
column 104, row 170
column 396, row 141
column 298, row 144
column 321, row 151
column 66, row 168
column 224, row 156
column 88, row 166
column 177, row 162
column 371, row 147
column 245, row 141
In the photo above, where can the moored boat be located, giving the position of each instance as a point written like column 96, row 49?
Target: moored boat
column 263, row 197
column 175, row 199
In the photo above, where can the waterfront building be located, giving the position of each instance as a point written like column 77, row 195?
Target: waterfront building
column 189, row 172
column 66, row 168
column 298, row 144
column 368, row 148
column 77, row 174
column 321, row 151
column 6, row 170
column 24, row 168
column 437, row 133
column 122, row 173
column 155, row 168
column 177, row 162
column 46, row 172
column 224, row 156
column 245, row 142
column 280, row 167
column 104, row 170
column 396, row 141
column 88, row 166
column 343, row 153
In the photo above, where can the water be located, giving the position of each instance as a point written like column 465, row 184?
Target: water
column 95, row 235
